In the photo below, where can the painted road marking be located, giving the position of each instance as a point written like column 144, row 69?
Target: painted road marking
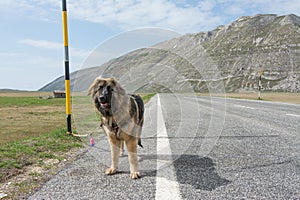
column 166, row 188
column 294, row 115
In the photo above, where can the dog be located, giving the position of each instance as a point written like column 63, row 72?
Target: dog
column 122, row 118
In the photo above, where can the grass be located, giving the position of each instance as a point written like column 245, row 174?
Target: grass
column 147, row 97
column 268, row 96
column 15, row 156
column 265, row 96
column 27, row 116
column 29, row 101
column 31, row 130
column 19, row 159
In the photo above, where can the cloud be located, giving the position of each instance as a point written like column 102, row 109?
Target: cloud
column 12, row 60
column 280, row 7
column 45, row 10
column 206, row 5
column 31, row 71
column 42, row 44
column 26, row 71
column 182, row 15
column 234, row 10
column 132, row 14
column 284, row 7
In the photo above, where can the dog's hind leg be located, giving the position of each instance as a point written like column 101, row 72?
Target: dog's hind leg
column 122, row 148
column 115, row 154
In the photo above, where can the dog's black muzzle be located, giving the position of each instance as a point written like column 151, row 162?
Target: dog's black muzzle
column 104, row 102
column 102, row 99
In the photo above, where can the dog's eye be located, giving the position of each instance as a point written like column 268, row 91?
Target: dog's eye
column 109, row 88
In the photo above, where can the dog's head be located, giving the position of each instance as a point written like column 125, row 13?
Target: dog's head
column 102, row 91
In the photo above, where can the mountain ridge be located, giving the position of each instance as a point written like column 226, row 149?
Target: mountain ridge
column 239, row 50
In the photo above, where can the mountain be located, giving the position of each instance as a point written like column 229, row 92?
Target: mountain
column 12, row 90
column 230, row 55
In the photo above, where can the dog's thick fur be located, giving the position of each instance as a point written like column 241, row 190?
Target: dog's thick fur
column 122, row 118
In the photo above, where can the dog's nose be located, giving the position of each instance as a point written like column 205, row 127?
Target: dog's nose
column 101, row 97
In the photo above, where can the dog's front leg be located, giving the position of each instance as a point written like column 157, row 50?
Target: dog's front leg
column 133, row 158
column 115, row 154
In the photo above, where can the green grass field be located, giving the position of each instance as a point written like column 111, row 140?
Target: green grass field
column 29, row 101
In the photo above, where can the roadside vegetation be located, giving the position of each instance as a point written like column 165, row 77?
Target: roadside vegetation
column 147, row 97
column 268, row 96
column 27, row 116
column 265, row 96
column 33, row 140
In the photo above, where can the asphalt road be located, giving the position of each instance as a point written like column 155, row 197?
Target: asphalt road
column 196, row 148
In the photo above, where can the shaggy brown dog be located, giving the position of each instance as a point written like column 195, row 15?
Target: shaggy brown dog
column 122, row 118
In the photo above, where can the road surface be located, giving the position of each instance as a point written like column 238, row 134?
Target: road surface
column 196, row 148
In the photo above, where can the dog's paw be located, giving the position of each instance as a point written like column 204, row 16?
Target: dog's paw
column 135, row 175
column 121, row 153
column 111, row 171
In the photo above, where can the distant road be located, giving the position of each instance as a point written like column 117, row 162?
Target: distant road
column 196, row 148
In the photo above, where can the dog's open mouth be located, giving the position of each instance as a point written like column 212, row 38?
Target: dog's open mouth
column 104, row 104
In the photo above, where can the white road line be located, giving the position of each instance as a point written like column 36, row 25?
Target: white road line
column 240, row 106
column 294, row 115
column 166, row 188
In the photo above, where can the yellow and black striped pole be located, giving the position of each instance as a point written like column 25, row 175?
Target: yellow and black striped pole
column 259, row 84
column 67, row 71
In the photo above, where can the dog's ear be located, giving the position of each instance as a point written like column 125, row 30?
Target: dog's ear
column 93, row 88
column 117, row 87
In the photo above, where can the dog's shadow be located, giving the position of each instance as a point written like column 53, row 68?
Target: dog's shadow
column 199, row 172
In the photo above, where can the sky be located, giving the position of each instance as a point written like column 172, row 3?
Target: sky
column 31, row 42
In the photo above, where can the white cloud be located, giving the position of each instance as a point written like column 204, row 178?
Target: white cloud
column 12, row 60
column 45, row 10
column 42, row 44
column 132, row 14
column 234, row 10
column 206, row 15
column 206, row 5
column 284, row 7
column 182, row 16
column 280, row 7
column 28, row 71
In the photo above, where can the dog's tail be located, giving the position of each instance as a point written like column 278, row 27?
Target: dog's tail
column 140, row 143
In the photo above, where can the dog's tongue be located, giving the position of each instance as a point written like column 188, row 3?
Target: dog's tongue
column 104, row 105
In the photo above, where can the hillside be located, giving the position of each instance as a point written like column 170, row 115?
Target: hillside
column 231, row 55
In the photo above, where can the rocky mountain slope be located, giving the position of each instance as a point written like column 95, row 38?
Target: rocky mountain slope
column 229, row 56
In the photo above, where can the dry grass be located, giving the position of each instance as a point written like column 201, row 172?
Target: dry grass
column 24, row 115
column 270, row 96
column 265, row 96
column 25, row 94
column 22, row 122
